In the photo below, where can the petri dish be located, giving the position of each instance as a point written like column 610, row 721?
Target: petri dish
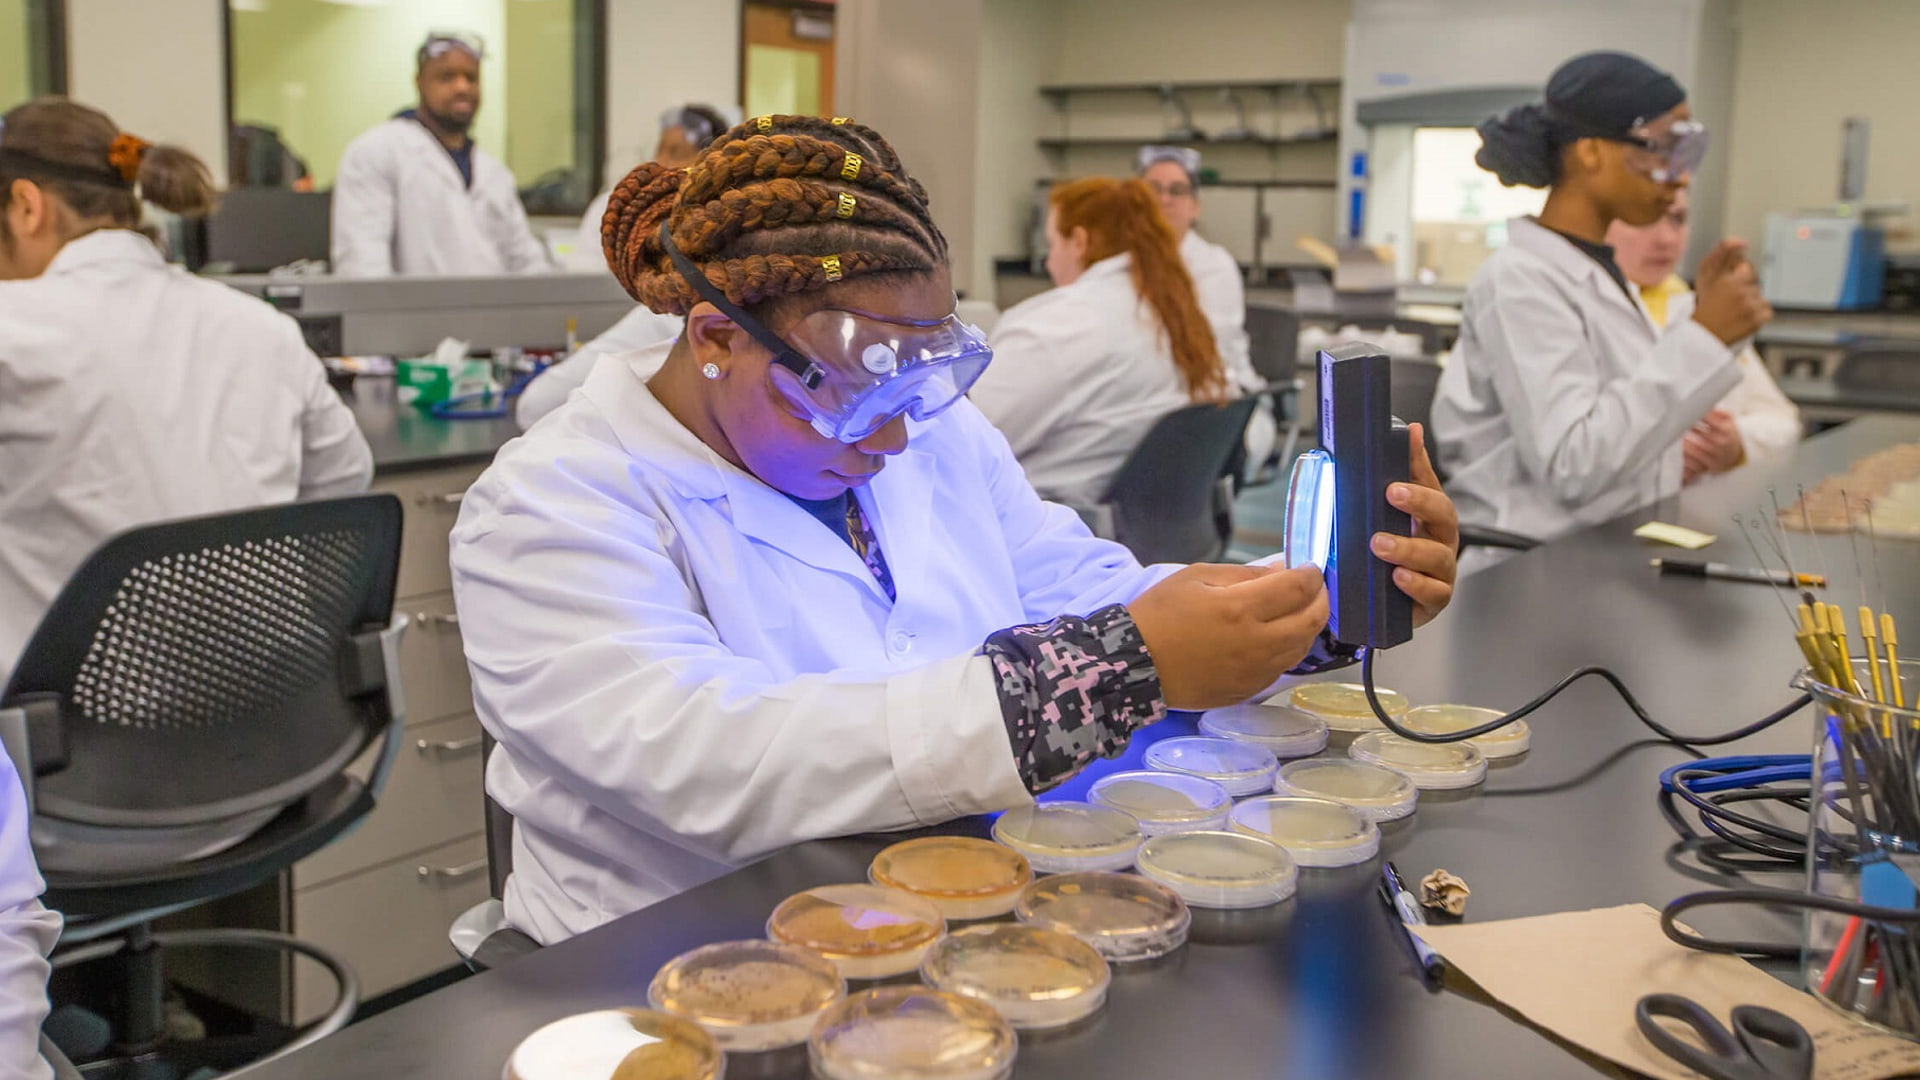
column 1070, row 837
column 617, row 1044
column 1510, row 741
column 1344, row 705
column 869, row 932
column 1241, row 768
column 1374, row 790
column 911, row 1033
column 1227, row 870
column 1038, row 979
column 749, row 995
column 966, row 878
column 1431, row 766
column 1164, row 802
column 1124, row 917
column 1316, row 832
column 1283, row 729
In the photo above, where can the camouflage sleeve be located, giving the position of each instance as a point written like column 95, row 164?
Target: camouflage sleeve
column 1072, row 690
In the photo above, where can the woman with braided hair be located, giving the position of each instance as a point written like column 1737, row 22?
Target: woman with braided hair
column 778, row 580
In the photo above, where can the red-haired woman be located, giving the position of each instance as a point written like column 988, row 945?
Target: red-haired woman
column 1082, row 371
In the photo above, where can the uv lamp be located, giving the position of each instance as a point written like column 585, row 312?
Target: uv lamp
column 1337, row 498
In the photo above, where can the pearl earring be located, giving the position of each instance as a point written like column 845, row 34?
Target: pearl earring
column 710, row 370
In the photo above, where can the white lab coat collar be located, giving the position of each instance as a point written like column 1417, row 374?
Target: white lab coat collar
column 1111, row 266
column 103, row 246
column 1529, row 235
column 449, row 173
column 898, row 502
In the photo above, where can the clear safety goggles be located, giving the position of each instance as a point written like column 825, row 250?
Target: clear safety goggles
column 849, row 373
column 441, row 42
column 1666, row 157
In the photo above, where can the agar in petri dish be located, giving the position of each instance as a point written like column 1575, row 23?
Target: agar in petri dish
column 1510, row 741
column 1344, row 705
column 617, row 1044
column 749, row 995
column 1374, row 790
column 1431, row 766
column 1241, row 768
column 1123, row 916
column 1283, row 729
column 1227, row 870
column 1316, row 832
column 1164, row 802
column 911, row 1033
column 869, row 932
column 1038, row 979
column 1070, row 837
column 966, row 878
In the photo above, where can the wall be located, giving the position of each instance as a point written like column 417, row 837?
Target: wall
column 661, row 54
column 156, row 67
column 1019, row 43
column 909, row 70
column 1803, row 68
column 539, row 68
column 1141, row 40
column 15, row 75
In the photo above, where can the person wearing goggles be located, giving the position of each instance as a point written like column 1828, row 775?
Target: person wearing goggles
column 1565, row 404
column 778, row 579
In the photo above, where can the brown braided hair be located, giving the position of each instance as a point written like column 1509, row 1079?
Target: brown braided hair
column 775, row 207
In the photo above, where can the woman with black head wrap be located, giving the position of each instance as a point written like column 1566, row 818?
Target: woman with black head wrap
column 1564, row 406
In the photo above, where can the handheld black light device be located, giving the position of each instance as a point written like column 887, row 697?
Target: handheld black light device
column 1337, row 498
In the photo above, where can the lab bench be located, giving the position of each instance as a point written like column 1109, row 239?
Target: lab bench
column 1320, row 986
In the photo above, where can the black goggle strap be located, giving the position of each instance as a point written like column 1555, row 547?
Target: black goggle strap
column 785, row 355
column 32, row 166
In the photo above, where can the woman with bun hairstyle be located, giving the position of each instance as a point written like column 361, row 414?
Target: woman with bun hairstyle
column 1564, row 404
column 130, row 390
column 1084, row 369
column 777, row 579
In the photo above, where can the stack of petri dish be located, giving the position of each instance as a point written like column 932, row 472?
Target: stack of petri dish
column 1124, row 917
column 1070, row 837
column 1225, row 870
column 869, row 932
column 1164, row 802
column 1038, row 979
column 617, row 1044
column 1431, row 766
column 1316, row 832
column 896, row 1032
column 1239, row 767
column 749, row 995
column 1344, row 705
column 1283, row 729
column 1374, row 790
column 964, row 877
column 1507, row 742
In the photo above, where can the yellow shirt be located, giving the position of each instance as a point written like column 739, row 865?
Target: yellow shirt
column 1768, row 421
column 1656, row 297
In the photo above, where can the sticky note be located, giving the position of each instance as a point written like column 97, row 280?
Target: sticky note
column 1679, row 536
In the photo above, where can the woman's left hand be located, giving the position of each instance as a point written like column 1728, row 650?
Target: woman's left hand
column 1425, row 563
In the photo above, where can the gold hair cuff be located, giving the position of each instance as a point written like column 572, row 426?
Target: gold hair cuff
column 838, row 120
column 831, row 264
column 850, row 168
column 764, row 123
column 845, row 209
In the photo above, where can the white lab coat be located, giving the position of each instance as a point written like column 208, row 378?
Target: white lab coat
column 1079, row 374
column 1222, row 293
column 637, row 329
column 1768, row 420
column 685, row 670
column 587, row 254
column 401, row 207
column 1563, row 406
column 27, row 935
column 132, row 392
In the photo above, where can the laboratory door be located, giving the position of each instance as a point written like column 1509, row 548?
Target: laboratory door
column 786, row 63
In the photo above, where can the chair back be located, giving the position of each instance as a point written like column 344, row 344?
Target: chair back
column 1273, row 342
column 1886, row 366
column 196, row 670
column 1165, row 498
column 499, row 825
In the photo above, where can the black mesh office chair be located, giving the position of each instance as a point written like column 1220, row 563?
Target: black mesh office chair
column 1172, row 500
column 1273, row 342
column 1415, row 382
column 191, row 676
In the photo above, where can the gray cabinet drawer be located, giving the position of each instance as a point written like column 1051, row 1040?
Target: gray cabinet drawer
column 431, row 501
column 390, row 922
column 433, row 795
column 433, row 667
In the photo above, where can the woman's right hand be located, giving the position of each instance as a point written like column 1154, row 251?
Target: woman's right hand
column 1220, row 634
column 1729, row 302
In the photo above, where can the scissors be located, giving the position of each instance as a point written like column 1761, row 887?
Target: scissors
column 1763, row 1045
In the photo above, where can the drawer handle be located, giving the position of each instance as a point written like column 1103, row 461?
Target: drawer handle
column 450, row 498
column 450, row 746
column 430, row 618
column 451, row 873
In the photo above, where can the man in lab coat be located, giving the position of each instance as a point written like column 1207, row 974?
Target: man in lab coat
column 415, row 196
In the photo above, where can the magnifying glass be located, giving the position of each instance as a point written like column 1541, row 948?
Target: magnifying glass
column 1337, row 498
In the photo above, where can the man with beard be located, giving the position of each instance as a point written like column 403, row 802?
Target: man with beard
column 416, row 196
